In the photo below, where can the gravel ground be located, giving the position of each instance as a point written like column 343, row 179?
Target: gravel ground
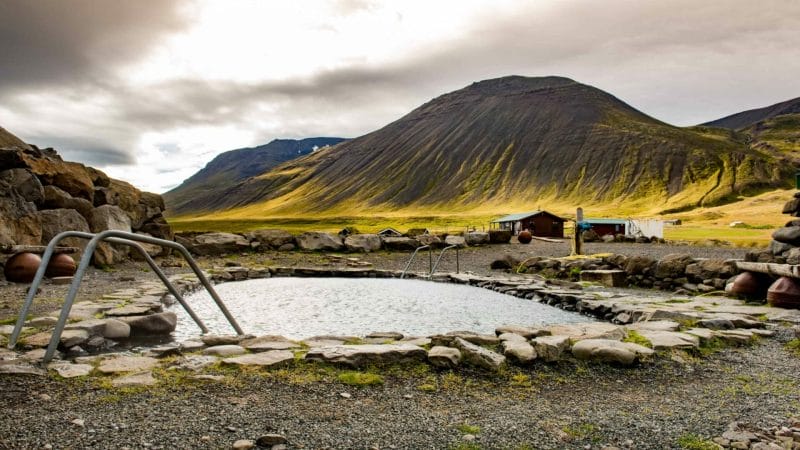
column 568, row 405
column 546, row 406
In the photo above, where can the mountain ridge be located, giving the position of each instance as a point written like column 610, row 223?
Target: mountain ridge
column 228, row 168
column 496, row 141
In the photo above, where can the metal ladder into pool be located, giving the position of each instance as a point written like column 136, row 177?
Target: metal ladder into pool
column 115, row 237
column 431, row 266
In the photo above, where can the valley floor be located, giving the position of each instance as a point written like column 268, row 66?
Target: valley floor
column 661, row 404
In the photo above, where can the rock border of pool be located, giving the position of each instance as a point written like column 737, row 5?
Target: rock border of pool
column 637, row 327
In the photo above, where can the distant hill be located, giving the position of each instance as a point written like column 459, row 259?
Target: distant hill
column 507, row 141
column 200, row 191
column 745, row 119
column 774, row 130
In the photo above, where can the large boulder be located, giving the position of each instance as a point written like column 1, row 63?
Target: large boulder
column 128, row 200
column 271, row 239
column 69, row 176
column 19, row 222
column 318, row 241
column 109, row 217
column 25, row 183
column 55, row 221
column 477, row 238
column 150, row 205
column 429, row 239
column 458, row 241
column 400, row 243
column 151, row 325
column 639, row 265
column 788, row 235
column 363, row 243
column 499, row 236
column 219, row 243
column 57, row 198
column 159, row 228
column 705, row 269
column 673, row 265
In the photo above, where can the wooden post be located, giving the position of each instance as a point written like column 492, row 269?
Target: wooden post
column 578, row 240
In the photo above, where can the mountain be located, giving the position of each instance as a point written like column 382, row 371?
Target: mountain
column 774, row 130
column 747, row 118
column 200, row 191
column 511, row 141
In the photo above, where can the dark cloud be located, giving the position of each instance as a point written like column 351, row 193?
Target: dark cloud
column 681, row 61
column 56, row 42
column 93, row 152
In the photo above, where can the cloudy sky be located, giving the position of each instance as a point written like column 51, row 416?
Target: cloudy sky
column 151, row 90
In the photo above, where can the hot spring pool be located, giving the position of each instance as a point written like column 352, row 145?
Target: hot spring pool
column 303, row 307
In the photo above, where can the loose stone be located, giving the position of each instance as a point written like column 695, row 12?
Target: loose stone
column 444, row 357
column 478, row 356
column 550, row 348
column 243, row 444
column 268, row 440
column 521, row 353
column 606, row 350
column 526, row 332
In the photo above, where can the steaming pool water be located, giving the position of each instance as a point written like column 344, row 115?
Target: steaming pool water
column 299, row 308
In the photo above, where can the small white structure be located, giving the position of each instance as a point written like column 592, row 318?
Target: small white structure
column 645, row 227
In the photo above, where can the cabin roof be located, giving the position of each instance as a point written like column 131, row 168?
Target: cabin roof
column 520, row 216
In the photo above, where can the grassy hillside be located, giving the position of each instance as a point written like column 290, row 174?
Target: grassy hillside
column 508, row 145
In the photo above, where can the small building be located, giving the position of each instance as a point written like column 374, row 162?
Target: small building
column 628, row 227
column 605, row 227
column 390, row 232
column 539, row 223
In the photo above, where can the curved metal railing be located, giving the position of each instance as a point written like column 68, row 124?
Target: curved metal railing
column 116, row 237
column 414, row 255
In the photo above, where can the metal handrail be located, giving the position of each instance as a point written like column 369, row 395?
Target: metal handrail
column 414, row 255
column 433, row 269
column 120, row 237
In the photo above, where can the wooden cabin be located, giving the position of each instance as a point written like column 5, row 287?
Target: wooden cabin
column 539, row 223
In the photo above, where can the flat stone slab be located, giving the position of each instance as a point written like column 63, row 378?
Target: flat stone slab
column 667, row 340
column 266, row 343
column 704, row 334
column 225, row 350
column 361, row 355
column 69, row 370
column 130, row 310
column 610, row 278
column 194, row 362
column 581, row 331
column 607, row 350
column 16, row 367
column 127, row 364
column 213, row 340
column 270, row 358
column 526, row 332
column 655, row 325
column 136, row 379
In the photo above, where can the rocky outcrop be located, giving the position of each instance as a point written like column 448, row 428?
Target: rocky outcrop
column 42, row 195
column 318, row 241
column 363, row 243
